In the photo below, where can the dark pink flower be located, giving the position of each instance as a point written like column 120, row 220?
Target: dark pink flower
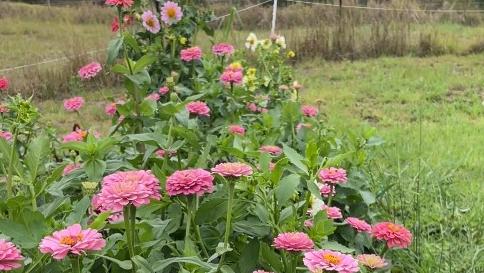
column 110, row 109
column 163, row 90
column 318, row 261
column 327, row 190
column 191, row 54
column 293, row 241
column 189, row 182
column 6, row 135
column 115, row 24
column 223, row 49
column 236, row 130
column 309, row 111
column 333, row 212
column 77, row 135
column 229, row 77
column 252, row 107
column 4, row 84
column 160, row 153
column 120, row 3
column 199, row 108
column 333, row 175
column 70, row 168
column 233, row 170
column 395, row 235
column 90, row 71
column 358, row 224
column 74, row 104
column 271, row 149
column 10, row 256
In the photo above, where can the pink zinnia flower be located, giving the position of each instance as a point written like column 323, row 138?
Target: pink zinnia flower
column 333, row 212
column 309, row 111
column 223, row 49
column 73, row 241
column 308, row 223
column 120, row 3
column 236, row 130
column 191, row 54
column 327, row 190
column 77, row 135
column 131, row 187
column 70, row 168
column 271, row 149
column 160, row 153
column 199, row 108
column 97, row 207
column 110, row 109
column 90, row 71
column 395, row 235
column 229, row 77
column 293, row 241
column 10, row 256
column 372, row 261
column 115, row 24
column 6, row 135
column 332, row 261
column 333, row 175
column 3, row 84
column 164, row 90
column 233, row 170
column 189, row 182
column 252, row 107
column 171, row 13
column 154, row 97
column 150, row 22
column 4, row 108
column 73, row 104
column 358, row 224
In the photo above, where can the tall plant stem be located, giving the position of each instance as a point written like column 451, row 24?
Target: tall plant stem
column 76, row 264
column 189, row 220
column 129, row 212
column 197, row 230
column 228, row 224
column 9, row 181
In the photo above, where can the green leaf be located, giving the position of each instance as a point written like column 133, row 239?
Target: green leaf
column 113, row 49
column 286, row 188
column 80, row 208
column 120, row 69
column 37, row 151
column 147, row 107
column 27, row 230
column 252, row 227
column 140, row 78
column 95, row 168
column 295, row 158
column 160, row 265
column 270, row 258
column 126, row 265
column 211, row 210
column 248, row 257
column 142, row 265
column 314, row 189
column 337, row 247
column 100, row 220
column 143, row 62
column 322, row 226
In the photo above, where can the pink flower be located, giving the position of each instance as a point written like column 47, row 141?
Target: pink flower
column 189, row 182
column 191, row 54
column 154, row 97
column 395, row 235
column 6, row 135
column 10, row 256
column 120, row 3
column 252, row 107
column 110, row 109
column 358, row 224
column 327, row 190
column 115, row 24
column 261, row 271
column 72, row 240
column 223, row 49
column 70, row 168
column 3, row 84
column 90, row 71
column 271, row 149
column 163, row 90
column 293, row 241
column 232, row 170
column 160, row 153
column 77, row 135
column 97, row 208
column 4, row 108
column 308, row 223
column 330, row 261
column 300, row 126
column 333, row 212
column 150, row 22
column 372, row 261
column 73, row 104
column 229, row 77
column 309, row 111
column 236, row 130
column 171, row 13
column 199, row 108
column 131, row 187
column 333, row 175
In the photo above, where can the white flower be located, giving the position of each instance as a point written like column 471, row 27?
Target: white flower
column 251, row 42
column 266, row 43
column 281, row 41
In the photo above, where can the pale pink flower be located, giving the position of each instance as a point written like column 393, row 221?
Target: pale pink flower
column 293, row 241
column 308, row 223
column 309, row 111
column 199, row 108
column 236, row 130
column 6, row 135
column 372, row 261
column 233, row 170
column 318, row 261
column 164, row 90
column 110, row 109
column 333, row 175
column 252, row 107
column 191, row 54
column 358, row 224
column 77, row 135
column 4, row 84
column 69, row 168
column 150, row 22
column 160, row 153
column 4, row 108
column 153, row 97
column 115, row 24
column 395, row 235
column 223, row 49
column 271, row 149
column 327, row 190
column 229, row 77
column 73, row 241
column 97, row 207
column 300, row 126
column 130, row 187
column 10, row 256
column 333, row 212
column 171, row 13
column 74, row 104
column 120, row 3
column 90, row 71
column 189, row 182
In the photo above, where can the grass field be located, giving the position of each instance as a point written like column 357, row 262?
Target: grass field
column 429, row 111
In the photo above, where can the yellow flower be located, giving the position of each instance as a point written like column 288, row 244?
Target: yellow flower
column 183, row 40
column 266, row 44
column 291, row 54
column 251, row 71
column 235, row 66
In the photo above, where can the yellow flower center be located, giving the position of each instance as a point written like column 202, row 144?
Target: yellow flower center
column 71, row 240
column 150, row 22
column 393, row 228
column 171, row 12
column 332, row 259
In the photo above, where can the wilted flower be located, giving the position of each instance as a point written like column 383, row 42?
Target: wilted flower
column 372, row 261
column 199, row 108
column 251, row 42
column 171, row 13
column 191, row 54
column 333, row 175
column 281, row 41
column 293, row 241
column 69, row 168
column 10, row 256
column 236, row 130
column 160, row 153
column 120, row 3
column 150, row 22
column 223, row 49
column 395, row 235
column 271, row 149
column 266, row 43
column 358, row 224
column 3, row 84
column 261, row 271
column 309, row 111
column 89, row 71
column 4, row 108
column 318, row 261
column 232, row 169
column 110, row 109
column 164, row 90
column 327, row 190
column 73, row 241
column 296, row 86
column 73, row 104
column 189, row 182
column 6, row 135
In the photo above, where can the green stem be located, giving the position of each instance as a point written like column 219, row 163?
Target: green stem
column 189, row 220
column 76, row 264
column 197, row 230
column 129, row 226
column 228, row 224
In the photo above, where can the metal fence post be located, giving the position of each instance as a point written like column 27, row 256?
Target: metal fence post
column 274, row 17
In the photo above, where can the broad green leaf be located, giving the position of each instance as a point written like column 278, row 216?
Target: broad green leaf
column 37, row 151
column 160, row 265
column 95, row 168
column 270, row 258
column 120, row 69
column 314, row 189
column 295, row 158
column 286, row 188
column 248, row 257
column 79, row 212
column 27, row 230
column 211, row 210
column 322, row 226
column 100, row 220
column 147, row 107
column 337, row 247
column 143, row 62
column 142, row 265
column 113, row 49
column 127, row 265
